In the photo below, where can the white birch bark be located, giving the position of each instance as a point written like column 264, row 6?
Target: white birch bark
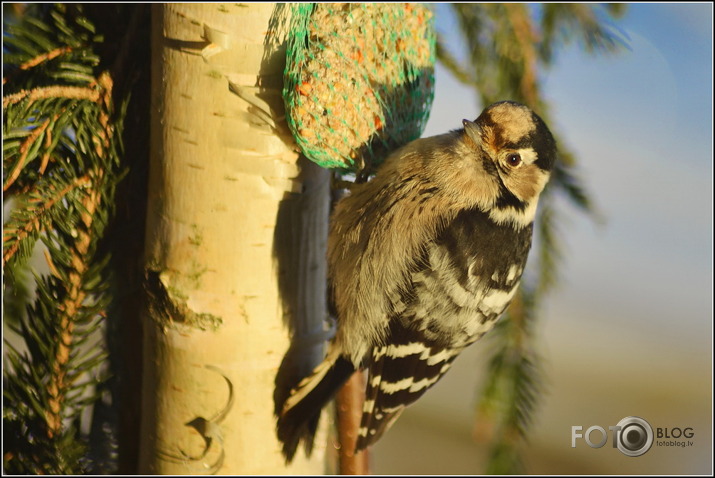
column 216, row 321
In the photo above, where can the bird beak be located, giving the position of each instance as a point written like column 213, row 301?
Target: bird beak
column 474, row 132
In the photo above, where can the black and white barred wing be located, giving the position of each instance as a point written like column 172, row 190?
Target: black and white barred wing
column 462, row 283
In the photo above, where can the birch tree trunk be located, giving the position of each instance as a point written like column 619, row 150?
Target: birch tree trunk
column 222, row 174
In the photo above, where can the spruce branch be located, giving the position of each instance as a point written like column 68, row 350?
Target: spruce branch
column 62, row 152
column 549, row 252
column 66, row 92
column 452, row 64
column 27, row 144
column 512, row 390
column 525, row 36
column 30, row 138
column 509, row 45
column 68, row 308
column 35, row 213
column 39, row 59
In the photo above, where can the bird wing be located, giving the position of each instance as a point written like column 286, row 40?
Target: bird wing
column 462, row 282
column 399, row 373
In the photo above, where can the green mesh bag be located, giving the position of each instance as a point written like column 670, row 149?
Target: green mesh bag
column 359, row 80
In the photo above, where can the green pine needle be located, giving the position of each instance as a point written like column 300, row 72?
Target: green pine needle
column 61, row 162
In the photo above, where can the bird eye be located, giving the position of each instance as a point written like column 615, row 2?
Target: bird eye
column 513, row 159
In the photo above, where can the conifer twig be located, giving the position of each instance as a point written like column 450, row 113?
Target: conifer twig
column 35, row 224
column 68, row 92
column 39, row 59
column 526, row 37
column 72, row 303
column 24, row 150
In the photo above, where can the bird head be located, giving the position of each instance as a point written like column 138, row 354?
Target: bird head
column 515, row 151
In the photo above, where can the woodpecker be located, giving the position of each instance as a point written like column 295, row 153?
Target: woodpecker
column 422, row 261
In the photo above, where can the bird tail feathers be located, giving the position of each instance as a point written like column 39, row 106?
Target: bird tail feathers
column 298, row 419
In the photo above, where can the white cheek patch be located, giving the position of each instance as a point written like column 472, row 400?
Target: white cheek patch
column 541, row 178
column 528, row 155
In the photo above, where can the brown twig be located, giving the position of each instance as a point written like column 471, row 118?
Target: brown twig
column 46, row 156
column 349, row 402
column 39, row 59
column 71, row 305
column 68, row 92
column 45, row 57
column 80, row 263
column 24, row 149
